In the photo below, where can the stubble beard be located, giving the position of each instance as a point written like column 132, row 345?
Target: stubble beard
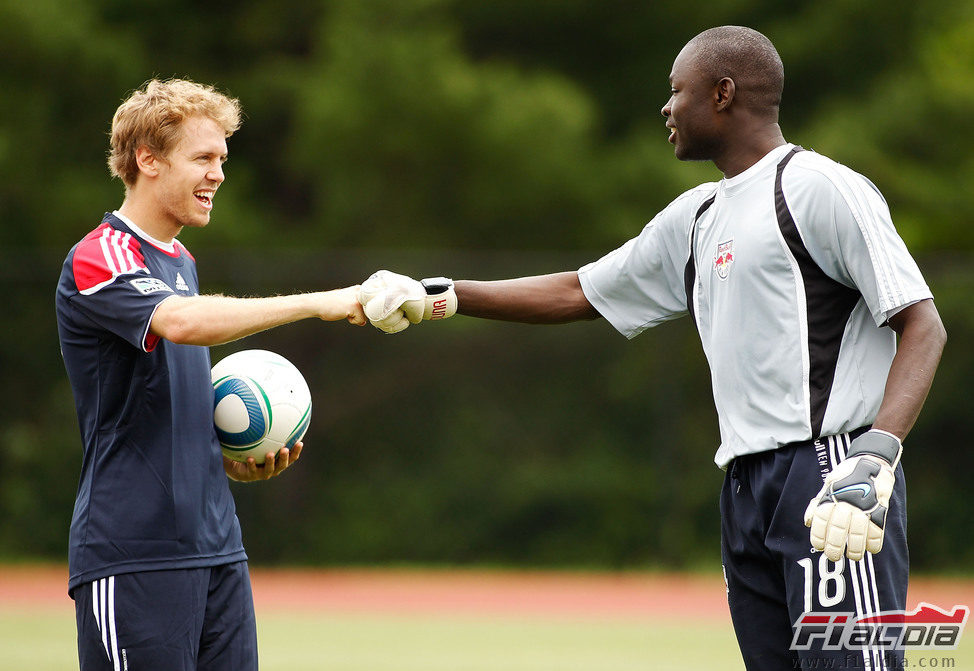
column 698, row 149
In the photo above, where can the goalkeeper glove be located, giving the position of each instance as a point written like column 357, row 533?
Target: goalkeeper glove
column 848, row 515
column 392, row 301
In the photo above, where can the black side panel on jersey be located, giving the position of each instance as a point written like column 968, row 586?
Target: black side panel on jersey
column 690, row 271
column 828, row 303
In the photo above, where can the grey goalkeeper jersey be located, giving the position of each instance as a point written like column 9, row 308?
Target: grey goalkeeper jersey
column 795, row 268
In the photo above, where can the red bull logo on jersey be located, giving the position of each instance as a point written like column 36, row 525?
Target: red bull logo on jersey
column 724, row 259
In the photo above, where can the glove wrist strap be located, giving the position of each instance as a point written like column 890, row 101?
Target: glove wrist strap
column 436, row 285
column 877, row 443
column 441, row 299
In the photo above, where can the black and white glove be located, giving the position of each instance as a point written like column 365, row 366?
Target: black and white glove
column 392, row 301
column 848, row 515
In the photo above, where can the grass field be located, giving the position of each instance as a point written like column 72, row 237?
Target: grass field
column 430, row 621
column 43, row 640
column 440, row 643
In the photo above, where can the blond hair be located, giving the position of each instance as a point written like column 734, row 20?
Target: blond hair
column 153, row 115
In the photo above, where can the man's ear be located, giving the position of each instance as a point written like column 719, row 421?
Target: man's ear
column 147, row 161
column 724, row 93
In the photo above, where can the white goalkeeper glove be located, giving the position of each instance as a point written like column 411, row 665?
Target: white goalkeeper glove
column 848, row 515
column 392, row 301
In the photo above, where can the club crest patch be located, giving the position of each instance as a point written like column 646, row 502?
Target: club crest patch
column 724, row 259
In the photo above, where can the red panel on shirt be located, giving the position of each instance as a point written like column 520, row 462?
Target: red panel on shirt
column 103, row 255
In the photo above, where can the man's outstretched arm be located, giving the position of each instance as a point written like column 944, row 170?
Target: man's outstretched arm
column 542, row 299
column 214, row 320
column 392, row 302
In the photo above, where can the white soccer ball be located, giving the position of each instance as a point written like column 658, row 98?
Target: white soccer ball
column 261, row 404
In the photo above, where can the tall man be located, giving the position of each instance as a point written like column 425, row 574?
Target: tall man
column 157, row 565
column 798, row 285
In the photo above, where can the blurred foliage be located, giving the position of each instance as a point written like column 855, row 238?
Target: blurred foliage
column 437, row 137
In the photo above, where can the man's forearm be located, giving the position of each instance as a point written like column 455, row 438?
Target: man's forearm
column 544, row 299
column 214, row 320
column 922, row 339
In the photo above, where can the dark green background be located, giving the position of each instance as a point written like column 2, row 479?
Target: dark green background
column 481, row 139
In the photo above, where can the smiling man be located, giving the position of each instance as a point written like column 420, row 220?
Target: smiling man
column 157, row 566
column 798, row 285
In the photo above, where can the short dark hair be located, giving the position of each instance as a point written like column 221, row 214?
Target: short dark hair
column 747, row 57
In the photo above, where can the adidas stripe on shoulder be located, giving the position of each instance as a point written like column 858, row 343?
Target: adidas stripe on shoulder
column 103, row 255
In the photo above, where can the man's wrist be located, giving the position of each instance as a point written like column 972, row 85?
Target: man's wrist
column 878, row 443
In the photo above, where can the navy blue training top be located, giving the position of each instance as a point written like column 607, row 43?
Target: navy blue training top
column 153, row 493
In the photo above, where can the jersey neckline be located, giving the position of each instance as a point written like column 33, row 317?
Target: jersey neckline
column 731, row 186
column 169, row 248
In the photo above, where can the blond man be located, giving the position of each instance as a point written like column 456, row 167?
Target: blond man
column 157, row 566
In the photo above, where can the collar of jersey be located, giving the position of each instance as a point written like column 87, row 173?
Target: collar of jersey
column 730, row 186
column 167, row 247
